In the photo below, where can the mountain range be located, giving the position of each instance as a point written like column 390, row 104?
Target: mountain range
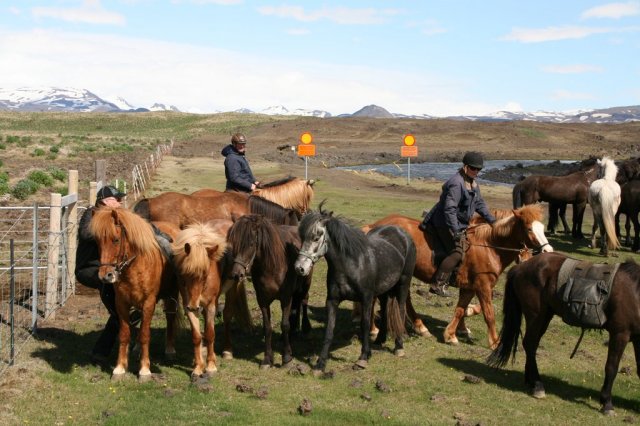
column 82, row 100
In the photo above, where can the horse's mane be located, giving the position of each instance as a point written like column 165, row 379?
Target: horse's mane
column 140, row 235
column 255, row 230
column 290, row 192
column 201, row 237
column 506, row 219
column 348, row 240
column 275, row 212
column 608, row 168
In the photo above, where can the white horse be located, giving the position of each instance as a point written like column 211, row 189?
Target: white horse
column 604, row 198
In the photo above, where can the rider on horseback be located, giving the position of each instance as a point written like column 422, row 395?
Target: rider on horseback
column 449, row 218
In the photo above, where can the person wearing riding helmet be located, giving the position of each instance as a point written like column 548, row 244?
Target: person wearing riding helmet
column 449, row 218
column 236, row 167
column 86, row 272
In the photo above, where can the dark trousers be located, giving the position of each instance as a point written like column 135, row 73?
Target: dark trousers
column 455, row 252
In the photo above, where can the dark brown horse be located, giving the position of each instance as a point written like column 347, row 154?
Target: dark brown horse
column 570, row 189
column 132, row 260
column 532, row 290
column 630, row 207
column 268, row 252
column 491, row 250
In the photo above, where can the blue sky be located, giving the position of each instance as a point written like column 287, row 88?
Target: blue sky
column 434, row 57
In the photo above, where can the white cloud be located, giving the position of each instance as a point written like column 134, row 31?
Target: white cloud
column 15, row 11
column 571, row 69
column 201, row 2
column 90, row 12
column 338, row 15
column 538, row 35
column 564, row 95
column 613, row 10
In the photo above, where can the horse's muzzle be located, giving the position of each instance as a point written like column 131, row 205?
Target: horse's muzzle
column 110, row 277
column 303, row 266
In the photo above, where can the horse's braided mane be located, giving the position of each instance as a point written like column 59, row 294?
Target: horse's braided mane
column 201, row 238
column 140, row 235
column 506, row 219
column 254, row 232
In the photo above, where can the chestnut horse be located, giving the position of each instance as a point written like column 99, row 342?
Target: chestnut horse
column 132, row 260
column 491, row 249
column 268, row 252
column 199, row 256
column 532, row 290
column 558, row 190
column 291, row 193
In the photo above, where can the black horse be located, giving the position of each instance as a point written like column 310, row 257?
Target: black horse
column 532, row 290
column 360, row 268
column 630, row 207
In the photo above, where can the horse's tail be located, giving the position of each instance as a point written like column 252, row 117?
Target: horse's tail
column 512, row 319
column 395, row 321
column 141, row 208
column 236, row 298
column 517, row 196
column 608, row 212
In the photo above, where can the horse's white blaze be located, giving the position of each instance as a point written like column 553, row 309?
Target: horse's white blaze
column 538, row 230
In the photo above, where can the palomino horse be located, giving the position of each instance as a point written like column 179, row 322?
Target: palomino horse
column 291, row 193
column 360, row 268
column 604, row 198
column 132, row 260
column 199, row 256
column 268, row 252
column 532, row 290
column 491, row 249
column 569, row 189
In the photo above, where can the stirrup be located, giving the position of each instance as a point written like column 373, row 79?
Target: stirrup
column 439, row 290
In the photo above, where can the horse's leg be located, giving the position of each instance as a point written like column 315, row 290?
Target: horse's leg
column 553, row 218
column 418, row 325
column 563, row 217
column 470, row 311
column 464, row 299
column 285, row 305
column 617, row 224
column 227, row 316
column 636, row 231
column 617, row 343
column 196, row 339
column 171, row 314
column 627, row 228
column 365, row 326
column 384, row 315
column 144, row 338
column 210, row 335
column 402, row 297
column 484, row 294
column 124, row 336
column 268, row 330
column 332, row 308
column 536, row 326
column 578, row 216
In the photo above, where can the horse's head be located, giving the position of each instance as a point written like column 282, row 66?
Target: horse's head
column 197, row 250
column 315, row 241
column 529, row 219
column 121, row 236
column 254, row 237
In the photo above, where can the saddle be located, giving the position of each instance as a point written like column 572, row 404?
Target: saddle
column 584, row 289
column 439, row 253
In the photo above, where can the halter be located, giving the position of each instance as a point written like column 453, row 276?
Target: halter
column 120, row 266
column 248, row 264
column 315, row 256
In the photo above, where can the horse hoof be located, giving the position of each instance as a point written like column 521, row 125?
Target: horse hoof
column 424, row 332
column 608, row 412
column 453, row 341
column 227, row 355
column 538, row 391
column 118, row 377
column 317, row 373
column 373, row 334
column 265, row 366
column 361, row 364
column 399, row 352
column 144, row 378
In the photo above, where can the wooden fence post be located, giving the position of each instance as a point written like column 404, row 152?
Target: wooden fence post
column 51, row 296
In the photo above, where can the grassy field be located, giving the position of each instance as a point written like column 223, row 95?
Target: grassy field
column 54, row 383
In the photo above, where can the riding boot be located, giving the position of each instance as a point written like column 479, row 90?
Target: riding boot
column 439, row 288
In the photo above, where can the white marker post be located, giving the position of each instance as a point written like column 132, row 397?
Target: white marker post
column 306, row 149
column 409, row 149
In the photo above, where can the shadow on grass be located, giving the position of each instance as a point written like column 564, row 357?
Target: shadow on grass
column 514, row 381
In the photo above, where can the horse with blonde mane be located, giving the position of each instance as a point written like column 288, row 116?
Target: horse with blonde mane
column 199, row 256
column 131, row 259
column 604, row 198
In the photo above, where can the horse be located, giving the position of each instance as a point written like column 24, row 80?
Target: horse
column 199, row 256
column 569, row 189
column 532, row 289
column 131, row 259
column 630, row 207
column 604, row 198
column 491, row 248
column 268, row 252
column 290, row 192
column 182, row 209
column 360, row 268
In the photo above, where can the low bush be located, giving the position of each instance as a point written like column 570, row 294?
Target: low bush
column 24, row 188
column 41, row 177
column 57, row 174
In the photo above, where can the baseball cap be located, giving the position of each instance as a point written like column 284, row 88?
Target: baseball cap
column 109, row 191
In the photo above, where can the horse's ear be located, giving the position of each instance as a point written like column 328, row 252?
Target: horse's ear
column 187, row 248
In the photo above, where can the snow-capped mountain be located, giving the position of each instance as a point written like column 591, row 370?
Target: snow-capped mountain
column 53, row 99
column 162, row 107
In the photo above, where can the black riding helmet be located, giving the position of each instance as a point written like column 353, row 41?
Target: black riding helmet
column 473, row 159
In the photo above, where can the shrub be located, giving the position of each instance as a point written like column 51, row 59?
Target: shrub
column 4, row 177
column 54, row 149
column 57, row 174
column 13, row 139
column 38, row 152
column 1, row 162
column 3, row 146
column 41, row 177
column 24, row 188
column 4, row 188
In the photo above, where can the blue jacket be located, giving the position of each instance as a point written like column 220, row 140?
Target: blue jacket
column 237, row 170
column 457, row 205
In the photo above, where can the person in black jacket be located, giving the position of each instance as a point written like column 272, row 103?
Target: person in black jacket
column 87, row 265
column 449, row 218
column 236, row 167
